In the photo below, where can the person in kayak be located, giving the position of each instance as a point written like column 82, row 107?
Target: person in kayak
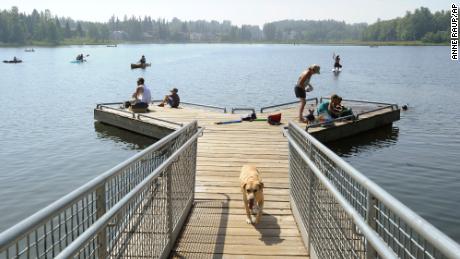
column 142, row 60
column 302, row 86
column 79, row 57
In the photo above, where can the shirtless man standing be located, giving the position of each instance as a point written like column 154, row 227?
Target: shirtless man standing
column 303, row 85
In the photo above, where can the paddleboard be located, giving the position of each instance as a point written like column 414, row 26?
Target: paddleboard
column 336, row 70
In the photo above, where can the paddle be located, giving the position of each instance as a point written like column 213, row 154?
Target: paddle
column 228, row 122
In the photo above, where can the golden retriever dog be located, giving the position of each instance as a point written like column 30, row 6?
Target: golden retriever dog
column 252, row 188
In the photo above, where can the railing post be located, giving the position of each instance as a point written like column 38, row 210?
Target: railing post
column 371, row 221
column 310, row 209
column 100, row 211
column 169, row 208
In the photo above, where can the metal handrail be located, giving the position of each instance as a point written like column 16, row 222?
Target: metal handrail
column 158, row 119
column 427, row 231
column 206, row 106
column 27, row 225
column 286, row 104
column 243, row 109
column 382, row 249
column 115, row 103
column 199, row 105
column 103, row 221
column 392, row 106
column 357, row 101
column 320, row 124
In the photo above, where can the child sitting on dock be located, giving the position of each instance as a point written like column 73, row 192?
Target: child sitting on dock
column 334, row 108
column 173, row 99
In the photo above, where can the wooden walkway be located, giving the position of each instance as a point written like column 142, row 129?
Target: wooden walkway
column 216, row 227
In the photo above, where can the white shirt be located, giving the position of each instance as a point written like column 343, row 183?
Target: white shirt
column 146, row 97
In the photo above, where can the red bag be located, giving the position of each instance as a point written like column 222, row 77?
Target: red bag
column 274, row 119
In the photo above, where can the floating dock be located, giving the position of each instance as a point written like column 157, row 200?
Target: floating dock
column 160, row 122
column 216, row 225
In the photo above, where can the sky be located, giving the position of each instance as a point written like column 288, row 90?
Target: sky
column 254, row 12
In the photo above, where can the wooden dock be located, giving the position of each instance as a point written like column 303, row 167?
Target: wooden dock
column 216, row 226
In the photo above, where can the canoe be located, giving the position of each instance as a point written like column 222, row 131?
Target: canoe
column 12, row 61
column 140, row 65
column 29, row 50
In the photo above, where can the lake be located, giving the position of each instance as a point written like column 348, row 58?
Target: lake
column 50, row 144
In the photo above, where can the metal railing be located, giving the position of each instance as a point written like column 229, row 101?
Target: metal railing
column 239, row 109
column 358, row 101
column 331, row 121
column 287, row 104
column 223, row 109
column 343, row 214
column 135, row 209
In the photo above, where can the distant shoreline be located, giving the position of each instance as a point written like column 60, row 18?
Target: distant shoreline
column 351, row 43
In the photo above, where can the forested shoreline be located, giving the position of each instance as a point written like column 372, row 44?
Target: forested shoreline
column 44, row 28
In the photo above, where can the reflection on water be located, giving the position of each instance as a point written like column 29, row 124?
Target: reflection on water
column 130, row 140
column 366, row 142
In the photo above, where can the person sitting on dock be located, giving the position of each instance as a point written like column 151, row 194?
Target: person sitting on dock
column 141, row 97
column 142, row 60
column 337, row 65
column 333, row 108
column 342, row 110
column 303, row 85
column 173, row 99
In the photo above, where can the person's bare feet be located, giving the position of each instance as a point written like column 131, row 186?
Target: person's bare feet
column 303, row 120
column 161, row 105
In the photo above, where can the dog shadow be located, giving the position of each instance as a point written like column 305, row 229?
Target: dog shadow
column 269, row 230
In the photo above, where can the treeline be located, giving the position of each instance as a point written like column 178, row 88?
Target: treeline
column 43, row 27
column 421, row 25
column 313, row 31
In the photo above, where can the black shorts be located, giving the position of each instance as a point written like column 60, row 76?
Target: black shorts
column 299, row 92
column 140, row 105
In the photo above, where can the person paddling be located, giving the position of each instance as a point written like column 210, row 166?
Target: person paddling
column 142, row 60
column 337, row 65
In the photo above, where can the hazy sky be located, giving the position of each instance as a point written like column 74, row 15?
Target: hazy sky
column 255, row 12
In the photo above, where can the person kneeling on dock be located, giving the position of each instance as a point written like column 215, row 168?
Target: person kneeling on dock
column 173, row 99
column 141, row 98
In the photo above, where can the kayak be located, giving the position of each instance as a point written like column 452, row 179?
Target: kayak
column 140, row 65
column 12, row 61
column 78, row 61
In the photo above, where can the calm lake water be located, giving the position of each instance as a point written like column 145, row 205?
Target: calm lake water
column 50, row 145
